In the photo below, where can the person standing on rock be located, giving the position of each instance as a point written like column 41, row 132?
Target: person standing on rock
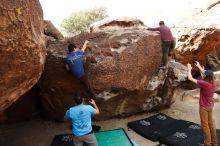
column 168, row 41
column 207, row 89
column 81, row 115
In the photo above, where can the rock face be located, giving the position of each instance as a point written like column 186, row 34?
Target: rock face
column 197, row 36
column 58, row 86
column 21, row 55
column 159, row 91
column 109, row 24
column 122, row 61
column 213, row 4
column 56, row 83
column 119, row 64
column 213, row 58
column 51, row 30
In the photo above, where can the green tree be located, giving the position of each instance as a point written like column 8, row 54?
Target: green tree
column 80, row 21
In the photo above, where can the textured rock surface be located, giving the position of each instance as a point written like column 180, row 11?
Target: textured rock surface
column 51, row 30
column 197, row 36
column 116, row 24
column 21, row 55
column 213, row 4
column 213, row 58
column 122, row 61
column 160, row 90
column 57, row 86
column 117, row 69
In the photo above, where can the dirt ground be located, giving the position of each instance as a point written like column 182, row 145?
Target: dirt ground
column 39, row 132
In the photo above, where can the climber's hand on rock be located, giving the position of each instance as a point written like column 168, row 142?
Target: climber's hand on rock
column 189, row 66
column 92, row 101
column 197, row 64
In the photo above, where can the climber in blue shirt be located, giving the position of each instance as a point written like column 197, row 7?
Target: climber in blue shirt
column 81, row 117
column 74, row 61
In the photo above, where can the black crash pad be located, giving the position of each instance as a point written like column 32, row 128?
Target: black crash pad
column 157, row 126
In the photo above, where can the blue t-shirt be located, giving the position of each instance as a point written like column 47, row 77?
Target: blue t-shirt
column 75, row 63
column 81, row 118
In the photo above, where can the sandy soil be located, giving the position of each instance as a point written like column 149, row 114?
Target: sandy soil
column 38, row 132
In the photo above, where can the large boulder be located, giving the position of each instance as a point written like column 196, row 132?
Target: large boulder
column 22, row 54
column 197, row 36
column 213, row 58
column 213, row 4
column 120, row 62
column 51, row 30
column 57, row 85
column 160, row 89
column 109, row 24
